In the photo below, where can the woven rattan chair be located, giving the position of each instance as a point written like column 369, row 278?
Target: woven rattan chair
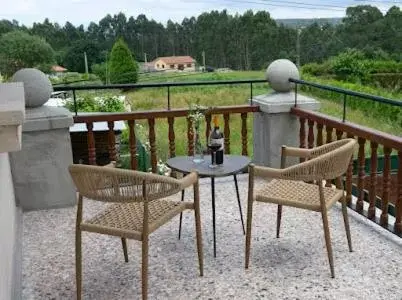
column 137, row 208
column 301, row 186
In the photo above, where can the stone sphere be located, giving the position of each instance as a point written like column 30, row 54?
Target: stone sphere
column 278, row 74
column 37, row 86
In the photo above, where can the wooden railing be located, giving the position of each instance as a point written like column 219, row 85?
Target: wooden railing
column 169, row 116
column 390, row 183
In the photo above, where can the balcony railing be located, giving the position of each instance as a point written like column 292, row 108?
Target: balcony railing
column 169, row 116
column 377, row 188
column 388, row 181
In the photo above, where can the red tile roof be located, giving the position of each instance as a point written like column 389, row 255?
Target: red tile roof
column 176, row 59
column 58, row 69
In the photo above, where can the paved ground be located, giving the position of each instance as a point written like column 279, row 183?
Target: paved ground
column 292, row 267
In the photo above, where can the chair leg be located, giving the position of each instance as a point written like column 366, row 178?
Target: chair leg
column 124, row 244
column 346, row 221
column 328, row 241
column 78, row 263
column 248, row 232
column 145, row 269
column 278, row 220
column 199, row 240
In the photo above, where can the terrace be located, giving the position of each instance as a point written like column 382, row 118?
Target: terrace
column 41, row 258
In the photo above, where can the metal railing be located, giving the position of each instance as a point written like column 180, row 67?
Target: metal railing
column 345, row 93
column 166, row 85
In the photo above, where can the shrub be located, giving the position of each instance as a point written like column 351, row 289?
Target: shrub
column 350, row 65
column 317, row 69
column 391, row 81
column 100, row 71
column 123, row 68
column 89, row 103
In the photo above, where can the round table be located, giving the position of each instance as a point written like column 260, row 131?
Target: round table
column 232, row 165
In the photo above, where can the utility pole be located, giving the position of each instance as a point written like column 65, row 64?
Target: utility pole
column 203, row 59
column 106, row 70
column 86, row 63
column 145, row 58
column 298, row 48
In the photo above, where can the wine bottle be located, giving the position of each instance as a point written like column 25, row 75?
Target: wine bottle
column 216, row 137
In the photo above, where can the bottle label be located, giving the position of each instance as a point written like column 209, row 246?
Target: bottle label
column 219, row 141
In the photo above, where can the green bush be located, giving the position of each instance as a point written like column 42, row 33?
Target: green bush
column 100, row 71
column 90, row 103
column 350, row 65
column 122, row 66
column 392, row 81
column 385, row 66
column 318, row 69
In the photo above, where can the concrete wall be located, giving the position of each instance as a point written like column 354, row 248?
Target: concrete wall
column 10, row 234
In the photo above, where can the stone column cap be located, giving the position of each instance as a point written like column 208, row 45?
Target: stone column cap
column 47, row 118
column 282, row 102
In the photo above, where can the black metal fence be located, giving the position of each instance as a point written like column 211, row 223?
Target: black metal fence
column 166, row 85
column 249, row 82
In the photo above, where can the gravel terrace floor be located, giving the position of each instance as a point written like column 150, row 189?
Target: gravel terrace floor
column 294, row 266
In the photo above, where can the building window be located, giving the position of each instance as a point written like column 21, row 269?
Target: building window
column 188, row 65
column 163, row 66
column 180, row 67
column 157, row 65
column 172, row 66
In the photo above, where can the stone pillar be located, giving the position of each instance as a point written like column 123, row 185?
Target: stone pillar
column 40, row 169
column 274, row 126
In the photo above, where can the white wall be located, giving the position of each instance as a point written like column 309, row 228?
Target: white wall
column 9, row 219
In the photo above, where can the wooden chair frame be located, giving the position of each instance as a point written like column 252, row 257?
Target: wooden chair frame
column 131, row 191
column 326, row 162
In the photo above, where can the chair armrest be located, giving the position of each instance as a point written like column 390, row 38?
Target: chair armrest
column 188, row 180
column 297, row 152
column 266, row 172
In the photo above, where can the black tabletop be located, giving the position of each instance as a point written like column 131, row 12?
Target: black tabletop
column 232, row 164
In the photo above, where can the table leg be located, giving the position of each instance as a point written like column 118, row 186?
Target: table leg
column 181, row 214
column 213, row 212
column 238, row 202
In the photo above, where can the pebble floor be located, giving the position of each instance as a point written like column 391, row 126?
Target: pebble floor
column 294, row 266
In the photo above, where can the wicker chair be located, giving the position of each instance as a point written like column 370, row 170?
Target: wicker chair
column 138, row 208
column 301, row 186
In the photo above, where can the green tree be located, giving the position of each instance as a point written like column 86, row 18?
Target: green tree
column 123, row 68
column 74, row 59
column 22, row 50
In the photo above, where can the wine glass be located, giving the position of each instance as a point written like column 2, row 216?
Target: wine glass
column 213, row 147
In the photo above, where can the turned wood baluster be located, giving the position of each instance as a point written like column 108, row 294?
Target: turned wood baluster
column 338, row 180
column 339, row 134
column 386, row 185
column 190, row 136
column 208, row 126
column 361, row 174
column 373, row 180
column 319, row 135
column 310, row 136
column 302, row 135
column 398, row 204
column 112, row 141
column 133, row 144
column 172, row 146
column 244, row 150
column 91, row 144
column 226, row 133
column 328, row 140
column 152, row 138
column 349, row 176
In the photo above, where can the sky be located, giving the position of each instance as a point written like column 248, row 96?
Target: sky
column 84, row 11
